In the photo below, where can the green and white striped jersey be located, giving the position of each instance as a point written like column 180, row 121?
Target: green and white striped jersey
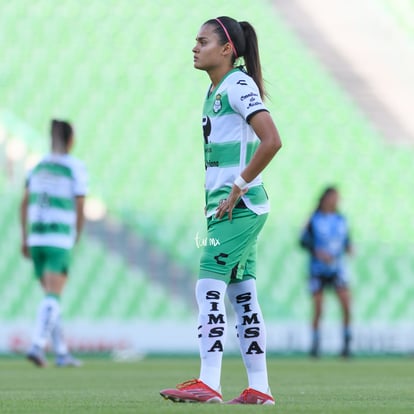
column 53, row 186
column 229, row 140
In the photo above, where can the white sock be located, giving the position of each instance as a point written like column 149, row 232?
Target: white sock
column 47, row 315
column 212, row 324
column 59, row 344
column 251, row 332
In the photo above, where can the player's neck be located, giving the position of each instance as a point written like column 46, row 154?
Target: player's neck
column 217, row 74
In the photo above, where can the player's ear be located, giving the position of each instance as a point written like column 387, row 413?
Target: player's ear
column 227, row 49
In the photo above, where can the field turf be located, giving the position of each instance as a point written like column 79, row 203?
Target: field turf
column 371, row 385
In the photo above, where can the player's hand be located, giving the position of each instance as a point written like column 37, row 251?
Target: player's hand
column 227, row 205
column 324, row 256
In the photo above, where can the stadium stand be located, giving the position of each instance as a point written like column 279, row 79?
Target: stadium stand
column 135, row 100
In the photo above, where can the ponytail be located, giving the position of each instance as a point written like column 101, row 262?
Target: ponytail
column 243, row 39
column 252, row 57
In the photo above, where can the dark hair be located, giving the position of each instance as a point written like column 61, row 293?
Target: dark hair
column 328, row 190
column 61, row 132
column 244, row 39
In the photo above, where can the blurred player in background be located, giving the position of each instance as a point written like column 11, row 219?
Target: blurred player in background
column 240, row 139
column 326, row 238
column 51, row 219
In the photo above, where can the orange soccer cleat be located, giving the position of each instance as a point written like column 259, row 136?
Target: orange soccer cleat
column 192, row 391
column 251, row 396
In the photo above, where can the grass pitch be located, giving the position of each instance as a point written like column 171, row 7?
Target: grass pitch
column 299, row 385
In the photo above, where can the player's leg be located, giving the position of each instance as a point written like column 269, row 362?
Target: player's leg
column 251, row 332
column 58, row 341
column 212, row 324
column 56, row 284
column 316, row 289
column 59, row 345
column 63, row 357
column 36, row 350
column 47, row 316
column 344, row 297
column 251, row 329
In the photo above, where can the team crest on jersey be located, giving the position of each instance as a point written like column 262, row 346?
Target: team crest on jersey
column 217, row 103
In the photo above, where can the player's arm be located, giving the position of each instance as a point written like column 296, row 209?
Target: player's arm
column 270, row 143
column 348, row 245
column 80, row 215
column 80, row 191
column 306, row 238
column 23, row 222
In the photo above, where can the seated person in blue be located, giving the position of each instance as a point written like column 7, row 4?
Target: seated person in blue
column 326, row 238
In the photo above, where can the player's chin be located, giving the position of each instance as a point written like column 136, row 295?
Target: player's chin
column 198, row 65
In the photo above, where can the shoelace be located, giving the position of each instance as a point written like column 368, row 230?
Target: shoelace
column 187, row 383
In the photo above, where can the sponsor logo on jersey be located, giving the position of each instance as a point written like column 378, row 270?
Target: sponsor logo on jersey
column 252, row 104
column 206, row 128
column 242, row 82
column 217, row 103
column 250, row 95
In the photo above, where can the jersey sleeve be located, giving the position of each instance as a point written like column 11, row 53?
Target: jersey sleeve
column 244, row 97
column 80, row 179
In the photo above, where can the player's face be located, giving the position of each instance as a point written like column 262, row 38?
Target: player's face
column 207, row 51
column 331, row 201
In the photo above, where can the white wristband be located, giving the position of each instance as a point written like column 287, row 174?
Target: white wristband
column 240, row 182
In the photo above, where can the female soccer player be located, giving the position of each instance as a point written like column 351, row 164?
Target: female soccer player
column 51, row 219
column 326, row 237
column 240, row 139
